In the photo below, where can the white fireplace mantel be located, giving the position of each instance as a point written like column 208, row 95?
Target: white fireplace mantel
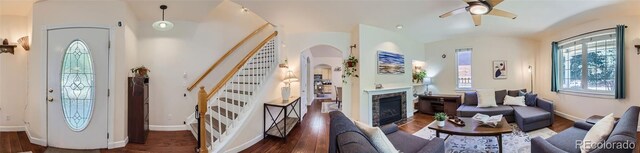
column 365, row 110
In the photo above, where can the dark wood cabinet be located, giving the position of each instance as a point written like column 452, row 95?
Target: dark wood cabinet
column 431, row 104
column 138, row 109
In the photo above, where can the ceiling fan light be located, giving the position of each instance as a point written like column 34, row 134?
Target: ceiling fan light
column 478, row 9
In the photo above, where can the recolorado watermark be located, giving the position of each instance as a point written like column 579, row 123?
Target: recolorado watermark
column 606, row 145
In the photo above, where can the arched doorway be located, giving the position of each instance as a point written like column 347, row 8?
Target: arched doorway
column 325, row 57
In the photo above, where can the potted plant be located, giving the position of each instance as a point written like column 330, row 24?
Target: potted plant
column 440, row 118
column 140, row 71
column 349, row 68
column 419, row 76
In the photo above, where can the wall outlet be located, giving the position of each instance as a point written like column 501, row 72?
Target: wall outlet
column 8, row 117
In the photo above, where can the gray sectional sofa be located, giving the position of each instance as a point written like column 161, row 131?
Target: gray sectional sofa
column 537, row 114
column 565, row 141
column 345, row 137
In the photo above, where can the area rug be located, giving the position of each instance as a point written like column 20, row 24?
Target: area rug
column 329, row 107
column 59, row 150
column 516, row 142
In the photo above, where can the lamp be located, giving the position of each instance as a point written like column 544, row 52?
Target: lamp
column 162, row 25
column 531, row 77
column 24, row 42
column 286, row 90
column 427, row 81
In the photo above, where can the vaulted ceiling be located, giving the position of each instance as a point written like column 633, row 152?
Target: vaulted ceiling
column 420, row 17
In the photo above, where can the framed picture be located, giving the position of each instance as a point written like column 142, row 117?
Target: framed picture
column 499, row 69
column 390, row 63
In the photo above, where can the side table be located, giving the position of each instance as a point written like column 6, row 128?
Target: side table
column 286, row 124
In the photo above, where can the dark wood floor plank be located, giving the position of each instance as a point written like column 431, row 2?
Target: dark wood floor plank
column 24, row 141
column 5, row 142
column 15, row 142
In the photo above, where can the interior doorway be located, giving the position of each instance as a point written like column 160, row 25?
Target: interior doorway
column 323, row 73
column 77, row 87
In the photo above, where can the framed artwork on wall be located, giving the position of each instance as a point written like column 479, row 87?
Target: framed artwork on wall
column 390, row 63
column 499, row 69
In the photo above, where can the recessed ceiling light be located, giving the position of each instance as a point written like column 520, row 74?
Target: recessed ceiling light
column 399, row 26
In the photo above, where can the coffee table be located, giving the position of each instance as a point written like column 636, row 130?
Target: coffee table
column 473, row 128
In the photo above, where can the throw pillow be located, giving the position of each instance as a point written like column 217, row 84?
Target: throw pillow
column 377, row 138
column 514, row 101
column 486, row 98
column 530, row 99
column 598, row 133
column 500, row 94
column 522, row 93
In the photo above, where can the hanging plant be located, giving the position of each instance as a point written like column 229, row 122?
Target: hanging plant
column 140, row 71
column 418, row 76
column 350, row 68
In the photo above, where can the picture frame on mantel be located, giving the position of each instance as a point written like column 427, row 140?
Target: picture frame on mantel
column 499, row 69
column 390, row 63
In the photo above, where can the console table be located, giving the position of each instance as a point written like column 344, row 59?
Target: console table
column 431, row 104
column 282, row 127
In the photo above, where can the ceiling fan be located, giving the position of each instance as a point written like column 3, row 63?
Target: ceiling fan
column 477, row 8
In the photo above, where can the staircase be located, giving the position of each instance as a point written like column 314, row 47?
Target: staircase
column 228, row 102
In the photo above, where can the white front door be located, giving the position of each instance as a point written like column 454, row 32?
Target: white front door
column 77, row 86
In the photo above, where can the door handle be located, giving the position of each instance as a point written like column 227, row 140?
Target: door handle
column 50, row 90
column 50, row 99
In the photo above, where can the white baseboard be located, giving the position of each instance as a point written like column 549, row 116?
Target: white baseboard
column 118, row 144
column 35, row 140
column 246, row 144
column 11, row 128
column 567, row 116
column 573, row 118
column 167, row 127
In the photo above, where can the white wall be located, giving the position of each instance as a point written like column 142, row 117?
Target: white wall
column 374, row 39
column 13, row 73
column 582, row 106
column 518, row 52
column 55, row 14
column 178, row 57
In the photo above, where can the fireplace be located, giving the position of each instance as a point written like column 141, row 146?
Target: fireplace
column 389, row 108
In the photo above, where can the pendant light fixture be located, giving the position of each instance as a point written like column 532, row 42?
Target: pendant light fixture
column 163, row 25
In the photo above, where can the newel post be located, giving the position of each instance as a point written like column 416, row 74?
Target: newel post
column 202, row 108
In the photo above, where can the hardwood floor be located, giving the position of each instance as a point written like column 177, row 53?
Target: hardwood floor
column 173, row 141
column 312, row 135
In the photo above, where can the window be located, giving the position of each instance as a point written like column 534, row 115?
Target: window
column 77, row 86
column 463, row 65
column 588, row 63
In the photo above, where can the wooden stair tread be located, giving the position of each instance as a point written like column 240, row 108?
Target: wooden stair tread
column 255, row 68
column 251, row 75
column 224, row 112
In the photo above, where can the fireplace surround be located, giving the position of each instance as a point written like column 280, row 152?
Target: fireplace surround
column 389, row 108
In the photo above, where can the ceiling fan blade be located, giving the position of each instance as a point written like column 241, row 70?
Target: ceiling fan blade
column 454, row 12
column 477, row 20
column 467, row 1
column 493, row 3
column 501, row 13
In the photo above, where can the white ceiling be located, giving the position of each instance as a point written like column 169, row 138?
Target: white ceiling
column 186, row 10
column 325, row 51
column 419, row 17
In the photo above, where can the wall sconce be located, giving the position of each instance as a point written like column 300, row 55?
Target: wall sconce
column 24, row 42
column 638, row 48
column 6, row 48
column 284, row 65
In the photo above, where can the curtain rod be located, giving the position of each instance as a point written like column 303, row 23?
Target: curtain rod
column 589, row 33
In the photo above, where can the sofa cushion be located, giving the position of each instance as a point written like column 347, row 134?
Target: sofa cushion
column 377, row 138
column 406, row 142
column 345, row 136
column 515, row 93
column 469, row 111
column 514, row 101
column 530, row 99
column 566, row 140
column 486, row 98
column 531, row 114
column 500, row 94
column 470, row 98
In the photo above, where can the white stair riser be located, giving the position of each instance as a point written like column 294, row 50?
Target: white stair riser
column 224, row 120
column 215, row 133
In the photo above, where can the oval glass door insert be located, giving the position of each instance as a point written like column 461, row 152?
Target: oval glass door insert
column 77, row 86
